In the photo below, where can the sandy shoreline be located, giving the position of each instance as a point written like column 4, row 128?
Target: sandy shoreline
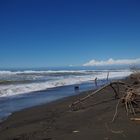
column 56, row 121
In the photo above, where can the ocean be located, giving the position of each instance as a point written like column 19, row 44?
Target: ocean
column 24, row 88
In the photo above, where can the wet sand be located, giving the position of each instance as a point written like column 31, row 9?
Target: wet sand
column 56, row 121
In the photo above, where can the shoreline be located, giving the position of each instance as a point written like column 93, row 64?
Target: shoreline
column 39, row 98
column 43, row 97
column 77, row 95
column 55, row 120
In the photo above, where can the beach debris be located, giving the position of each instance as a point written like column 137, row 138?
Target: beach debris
column 76, row 88
column 76, row 131
column 135, row 119
column 116, row 111
column 76, row 104
column 96, row 82
column 129, row 99
column 107, row 76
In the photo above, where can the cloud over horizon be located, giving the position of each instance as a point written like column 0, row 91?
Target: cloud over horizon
column 112, row 61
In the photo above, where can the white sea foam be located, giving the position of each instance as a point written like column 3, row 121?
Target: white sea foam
column 51, row 71
column 39, row 72
column 17, row 89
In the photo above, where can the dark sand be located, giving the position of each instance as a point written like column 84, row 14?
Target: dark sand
column 55, row 121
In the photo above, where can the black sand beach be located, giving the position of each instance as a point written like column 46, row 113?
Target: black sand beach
column 56, row 121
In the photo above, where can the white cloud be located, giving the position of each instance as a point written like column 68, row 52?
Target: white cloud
column 113, row 62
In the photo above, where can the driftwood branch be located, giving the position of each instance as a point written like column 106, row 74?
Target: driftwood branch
column 115, row 91
column 96, row 82
column 107, row 76
column 116, row 111
column 129, row 99
column 100, row 89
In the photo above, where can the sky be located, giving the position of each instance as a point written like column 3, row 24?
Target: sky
column 42, row 33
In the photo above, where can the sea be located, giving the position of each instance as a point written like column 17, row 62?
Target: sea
column 24, row 88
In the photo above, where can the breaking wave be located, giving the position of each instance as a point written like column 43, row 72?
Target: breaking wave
column 20, row 82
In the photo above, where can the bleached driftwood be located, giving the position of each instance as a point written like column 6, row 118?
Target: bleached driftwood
column 135, row 119
column 129, row 99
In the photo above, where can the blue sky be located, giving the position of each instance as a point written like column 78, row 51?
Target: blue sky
column 41, row 33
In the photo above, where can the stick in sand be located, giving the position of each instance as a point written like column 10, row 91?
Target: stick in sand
column 107, row 76
column 96, row 82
